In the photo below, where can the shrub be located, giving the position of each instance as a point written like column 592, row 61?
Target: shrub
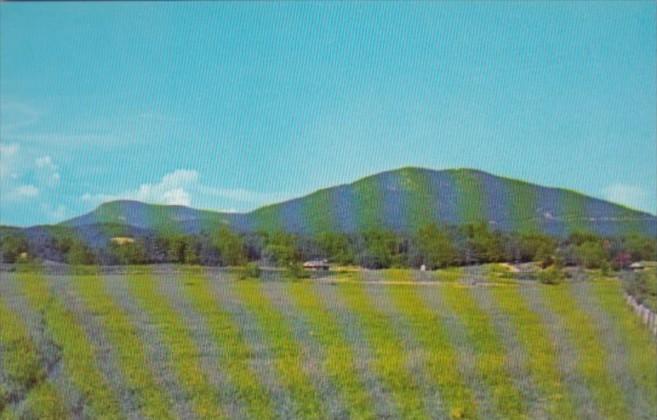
column 551, row 275
column 250, row 271
column 296, row 271
column 643, row 287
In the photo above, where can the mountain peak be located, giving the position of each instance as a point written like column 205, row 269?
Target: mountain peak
column 400, row 200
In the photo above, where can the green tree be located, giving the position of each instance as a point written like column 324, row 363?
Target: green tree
column 11, row 247
column 231, row 246
column 435, row 247
column 177, row 248
column 484, row 245
column 129, row 253
column 336, row 247
column 79, row 253
column 591, row 254
column 281, row 249
column 379, row 249
column 640, row 247
column 192, row 251
column 536, row 247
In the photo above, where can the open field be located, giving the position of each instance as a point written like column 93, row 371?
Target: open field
column 372, row 344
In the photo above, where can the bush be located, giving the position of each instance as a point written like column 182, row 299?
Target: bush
column 551, row 275
column 296, row 271
column 642, row 286
column 250, row 271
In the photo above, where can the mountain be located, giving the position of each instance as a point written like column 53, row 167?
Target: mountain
column 401, row 200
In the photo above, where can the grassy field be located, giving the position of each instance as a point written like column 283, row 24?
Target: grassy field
column 385, row 344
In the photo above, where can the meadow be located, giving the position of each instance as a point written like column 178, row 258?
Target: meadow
column 189, row 343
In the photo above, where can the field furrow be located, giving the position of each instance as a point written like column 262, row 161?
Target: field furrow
column 313, row 354
column 439, row 355
column 633, row 350
column 200, row 343
column 489, row 359
column 566, row 351
column 70, row 399
column 288, row 359
column 234, row 357
column 353, row 330
column 384, row 300
column 183, row 351
column 337, row 356
column 540, row 353
column 255, row 346
column 591, row 361
column 390, row 360
column 516, row 359
column 171, row 286
column 105, row 351
column 140, row 376
column 152, row 341
column 25, row 390
column 79, row 356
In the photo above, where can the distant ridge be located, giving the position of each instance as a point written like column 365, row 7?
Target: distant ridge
column 400, row 200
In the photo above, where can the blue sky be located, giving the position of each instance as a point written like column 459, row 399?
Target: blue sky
column 234, row 105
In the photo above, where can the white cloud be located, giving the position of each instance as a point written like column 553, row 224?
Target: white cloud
column 8, row 150
column 47, row 171
column 8, row 153
column 21, row 192
column 12, row 184
column 183, row 187
column 45, row 162
column 630, row 195
column 172, row 189
column 177, row 196
column 17, row 166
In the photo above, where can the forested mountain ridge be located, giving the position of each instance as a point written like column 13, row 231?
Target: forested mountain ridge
column 398, row 218
column 400, row 200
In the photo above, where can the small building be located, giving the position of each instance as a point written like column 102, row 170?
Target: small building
column 316, row 265
column 637, row 266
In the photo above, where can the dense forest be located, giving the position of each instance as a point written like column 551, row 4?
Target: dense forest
column 433, row 245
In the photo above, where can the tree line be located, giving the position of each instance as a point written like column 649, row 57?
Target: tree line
column 433, row 246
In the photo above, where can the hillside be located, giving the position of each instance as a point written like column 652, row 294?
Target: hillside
column 400, row 200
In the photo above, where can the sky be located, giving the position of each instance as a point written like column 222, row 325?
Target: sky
column 230, row 106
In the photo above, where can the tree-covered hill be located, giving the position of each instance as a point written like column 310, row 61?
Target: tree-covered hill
column 402, row 201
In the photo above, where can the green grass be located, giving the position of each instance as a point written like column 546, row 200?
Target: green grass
column 286, row 352
column 184, row 353
column 490, row 361
column 78, row 354
column 22, row 376
column 592, row 360
column 235, row 355
column 128, row 346
column 390, row 360
column 441, row 358
column 453, row 274
column 297, row 334
column 640, row 346
column 542, row 363
column 339, row 362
